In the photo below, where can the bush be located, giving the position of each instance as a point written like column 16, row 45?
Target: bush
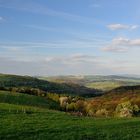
column 81, row 106
column 90, row 110
column 71, row 107
column 102, row 113
column 126, row 109
column 53, row 96
column 63, row 102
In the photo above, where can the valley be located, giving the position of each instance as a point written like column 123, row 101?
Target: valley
column 31, row 108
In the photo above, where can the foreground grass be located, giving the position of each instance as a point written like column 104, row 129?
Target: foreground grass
column 44, row 124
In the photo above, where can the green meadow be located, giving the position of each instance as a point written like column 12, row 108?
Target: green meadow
column 22, row 120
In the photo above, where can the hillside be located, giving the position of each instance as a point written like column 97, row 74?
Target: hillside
column 30, row 117
column 104, row 83
column 111, row 99
column 31, row 82
column 125, row 89
column 37, row 123
column 30, row 100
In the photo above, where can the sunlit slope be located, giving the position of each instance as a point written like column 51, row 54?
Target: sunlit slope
column 31, row 82
column 104, row 83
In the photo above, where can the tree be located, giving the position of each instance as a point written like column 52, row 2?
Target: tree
column 71, row 107
column 126, row 109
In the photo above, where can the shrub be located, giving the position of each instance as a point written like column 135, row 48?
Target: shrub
column 53, row 96
column 63, row 101
column 81, row 106
column 90, row 110
column 126, row 109
column 71, row 107
column 102, row 113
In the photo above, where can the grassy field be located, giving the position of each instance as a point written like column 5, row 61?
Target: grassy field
column 25, row 117
column 105, row 86
column 24, row 99
column 44, row 124
column 109, row 85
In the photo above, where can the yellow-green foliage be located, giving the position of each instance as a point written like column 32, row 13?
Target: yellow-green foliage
column 126, row 109
column 53, row 96
column 105, row 85
column 71, row 107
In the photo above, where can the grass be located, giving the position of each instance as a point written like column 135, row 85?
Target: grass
column 25, row 117
column 109, row 85
column 24, row 99
column 106, row 85
column 44, row 124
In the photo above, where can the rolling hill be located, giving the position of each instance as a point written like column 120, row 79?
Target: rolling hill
column 21, row 119
column 60, row 88
column 112, row 98
column 99, row 82
column 28, row 100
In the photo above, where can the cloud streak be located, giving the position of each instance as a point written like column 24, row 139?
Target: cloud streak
column 121, row 27
column 36, row 8
column 63, row 44
column 58, row 65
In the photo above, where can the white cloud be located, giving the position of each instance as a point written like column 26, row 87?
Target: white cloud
column 59, row 65
column 122, row 44
column 122, row 26
column 73, row 59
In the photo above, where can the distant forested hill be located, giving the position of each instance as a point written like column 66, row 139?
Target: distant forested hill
column 100, row 82
column 31, row 82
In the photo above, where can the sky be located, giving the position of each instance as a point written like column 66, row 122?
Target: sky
column 69, row 37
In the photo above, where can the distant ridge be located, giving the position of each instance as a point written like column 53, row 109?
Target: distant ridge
column 32, row 82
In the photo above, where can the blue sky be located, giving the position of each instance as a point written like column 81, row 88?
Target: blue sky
column 51, row 37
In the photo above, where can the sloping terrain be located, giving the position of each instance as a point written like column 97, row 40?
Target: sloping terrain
column 25, row 99
column 31, row 82
column 111, row 99
column 27, row 117
column 37, row 123
column 104, row 83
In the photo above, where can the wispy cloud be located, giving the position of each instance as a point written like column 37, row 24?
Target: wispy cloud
column 121, row 26
column 58, row 65
column 44, row 10
column 122, row 44
column 74, row 35
column 62, row 44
